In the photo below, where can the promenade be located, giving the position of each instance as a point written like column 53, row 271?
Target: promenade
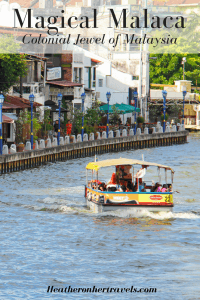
column 33, row 158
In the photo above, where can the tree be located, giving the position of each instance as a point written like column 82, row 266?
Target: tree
column 21, row 130
column 114, row 118
column 187, row 38
column 12, row 64
column 168, row 68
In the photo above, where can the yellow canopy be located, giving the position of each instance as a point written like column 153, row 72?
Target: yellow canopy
column 122, row 161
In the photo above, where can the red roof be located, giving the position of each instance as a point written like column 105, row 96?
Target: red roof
column 18, row 102
column 7, row 119
column 27, row 3
column 95, row 60
column 65, row 83
column 7, row 105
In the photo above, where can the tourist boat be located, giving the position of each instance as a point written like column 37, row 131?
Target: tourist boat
column 127, row 188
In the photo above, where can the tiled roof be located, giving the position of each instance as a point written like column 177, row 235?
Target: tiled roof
column 27, row 3
column 95, row 61
column 64, row 83
column 19, row 102
column 7, row 119
column 8, row 105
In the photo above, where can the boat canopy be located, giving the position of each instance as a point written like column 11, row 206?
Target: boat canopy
column 122, row 161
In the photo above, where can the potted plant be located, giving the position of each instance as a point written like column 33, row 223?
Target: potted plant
column 140, row 121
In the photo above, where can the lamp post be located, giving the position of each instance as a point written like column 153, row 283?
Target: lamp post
column 31, row 99
column 135, row 95
column 1, row 121
column 164, row 94
column 83, row 95
column 183, row 63
column 184, row 94
column 59, row 97
column 108, row 95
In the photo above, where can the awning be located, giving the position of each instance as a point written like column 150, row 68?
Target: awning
column 11, row 115
column 122, row 108
column 123, row 161
column 7, row 119
column 64, row 83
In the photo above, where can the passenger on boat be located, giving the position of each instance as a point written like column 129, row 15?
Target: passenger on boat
column 154, row 188
column 135, row 188
column 123, row 188
column 144, row 188
column 102, row 187
column 129, row 186
column 159, row 189
column 164, row 189
column 113, row 179
column 111, row 188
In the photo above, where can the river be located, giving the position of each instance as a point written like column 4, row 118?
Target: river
column 49, row 238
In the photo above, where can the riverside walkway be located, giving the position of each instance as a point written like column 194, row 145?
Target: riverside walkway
column 33, row 158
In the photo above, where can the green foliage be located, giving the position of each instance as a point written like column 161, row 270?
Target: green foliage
column 46, row 124
column 114, row 118
column 92, row 117
column 154, row 112
column 175, row 109
column 12, row 64
column 168, row 68
column 8, row 44
column 11, row 67
column 140, row 119
column 166, row 117
column 187, row 38
column 24, row 119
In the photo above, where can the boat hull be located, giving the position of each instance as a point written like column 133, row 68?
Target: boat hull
column 100, row 202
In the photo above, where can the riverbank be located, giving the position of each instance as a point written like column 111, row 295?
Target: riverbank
column 33, row 158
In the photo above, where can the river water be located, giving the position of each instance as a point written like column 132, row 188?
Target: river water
column 49, row 238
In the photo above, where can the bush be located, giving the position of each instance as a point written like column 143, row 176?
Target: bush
column 166, row 117
column 140, row 119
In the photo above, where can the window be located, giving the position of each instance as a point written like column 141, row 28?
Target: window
column 77, row 106
column 77, row 75
column 100, row 82
column 94, row 73
column 26, row 89
column 135, row 77
column 16, row 89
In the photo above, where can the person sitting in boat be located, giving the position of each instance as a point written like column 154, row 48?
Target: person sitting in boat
column 102, row 187
column 159, row 188
column 113, row 179
column 129, row 186
column 95, row 183
column 111, row 188
column 144, row 188
column 135, row 188
column 154, row 188
column 164, row 189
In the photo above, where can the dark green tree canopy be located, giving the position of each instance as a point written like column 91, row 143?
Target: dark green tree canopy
column 168, row 68
column 12, row 64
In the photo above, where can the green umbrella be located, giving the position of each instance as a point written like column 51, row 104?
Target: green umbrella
column 125, row 108
column 105, row 108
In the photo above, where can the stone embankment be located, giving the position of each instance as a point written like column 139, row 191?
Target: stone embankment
column 66, row 151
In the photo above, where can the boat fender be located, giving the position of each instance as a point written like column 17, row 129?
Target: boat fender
column 101, row 199
column 89, row 196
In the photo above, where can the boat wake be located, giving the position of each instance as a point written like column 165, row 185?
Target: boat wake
column 153, row 215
